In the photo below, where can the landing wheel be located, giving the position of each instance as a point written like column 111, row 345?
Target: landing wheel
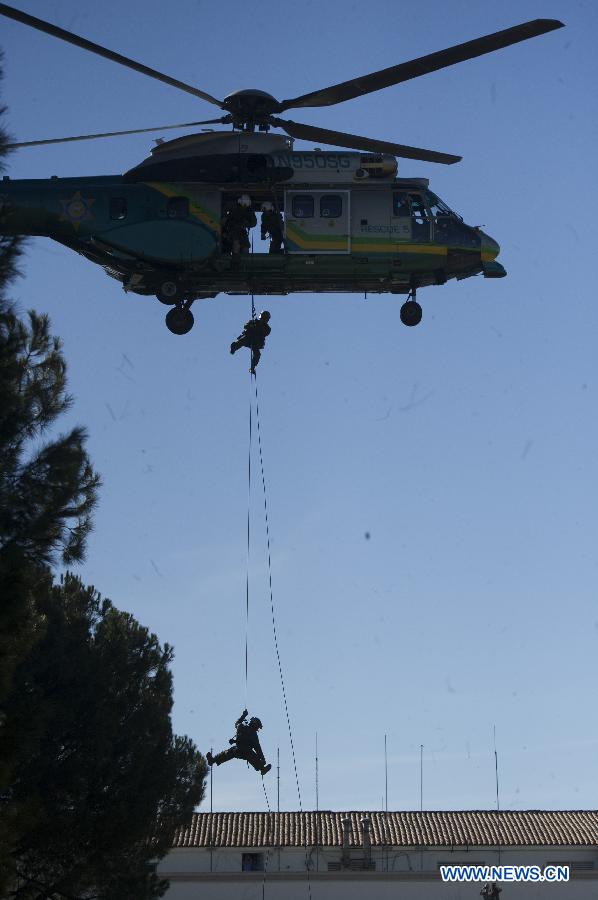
column 411, row 313
column 168, row 293
column 179, row 320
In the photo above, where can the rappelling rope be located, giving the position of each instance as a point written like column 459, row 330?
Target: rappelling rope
column 248, row 546
column 274, row 631
column 267, row 854
column 248, row 532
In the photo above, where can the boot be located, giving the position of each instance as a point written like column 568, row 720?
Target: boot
column 265, row 769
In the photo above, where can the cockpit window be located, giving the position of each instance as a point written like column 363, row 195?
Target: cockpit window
column 420, row 221
column 439, row 208
column 418, row 209
column 449, row 227
column 400, row 204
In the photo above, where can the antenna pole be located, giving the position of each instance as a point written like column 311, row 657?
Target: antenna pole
column 421, row 778
column 211, row 808
column 317, row 786
column 385, row 804
column 385, row 776
column 317, row 811
column 421, row 798
column 497, row 794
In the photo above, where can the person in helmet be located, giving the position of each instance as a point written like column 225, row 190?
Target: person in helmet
column 272, row 225
column 238, row 219
column 245, row 745
column 254, row 336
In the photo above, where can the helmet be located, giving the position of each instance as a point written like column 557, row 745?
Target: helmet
column 265, row 315
column 267, row 206
column 244, row 200
column 255, row 722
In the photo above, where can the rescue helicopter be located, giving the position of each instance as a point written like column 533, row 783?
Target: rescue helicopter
column 349, row 223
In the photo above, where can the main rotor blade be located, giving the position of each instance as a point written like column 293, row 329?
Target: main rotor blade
column 88, row 137
column 365, row 84
column 356, row 142
column 71, row 38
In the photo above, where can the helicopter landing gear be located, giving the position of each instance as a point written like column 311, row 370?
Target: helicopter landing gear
column 411, row 311
column 169, row 293
column 179, row 319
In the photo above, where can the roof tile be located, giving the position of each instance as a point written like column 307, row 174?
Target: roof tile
column 471, row 828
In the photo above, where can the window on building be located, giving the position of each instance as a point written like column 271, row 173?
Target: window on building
column 252, row 862
column 118, row 208
column 577, row 865
column 357, row 864
column 331, row 206
column 303, row 206
column 460, row 862
column 178, row 208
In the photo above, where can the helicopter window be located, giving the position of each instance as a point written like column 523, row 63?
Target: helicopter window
column 400, row 204
column 439, row 208
column 418, row 209
column 178, row 208
column 303, row 206
column 331, row 206
column 118, row 208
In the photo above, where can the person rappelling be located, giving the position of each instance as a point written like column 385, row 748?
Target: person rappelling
column 254, row 336
column 245, row 745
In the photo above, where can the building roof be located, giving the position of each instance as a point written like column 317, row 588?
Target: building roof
column 483, row 828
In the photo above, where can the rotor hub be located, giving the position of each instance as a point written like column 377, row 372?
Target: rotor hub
column 251, row 108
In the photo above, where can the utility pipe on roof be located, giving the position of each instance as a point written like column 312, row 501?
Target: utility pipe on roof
column 367, row 841
column 346, row 857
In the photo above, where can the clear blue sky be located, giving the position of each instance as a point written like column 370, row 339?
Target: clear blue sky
column 467, row 447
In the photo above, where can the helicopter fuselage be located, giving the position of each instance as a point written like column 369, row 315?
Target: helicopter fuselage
column 350, row 225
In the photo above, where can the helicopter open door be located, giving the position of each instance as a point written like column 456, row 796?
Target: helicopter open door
column 317, row 221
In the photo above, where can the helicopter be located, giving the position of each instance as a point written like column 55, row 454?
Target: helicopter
column 350, row 223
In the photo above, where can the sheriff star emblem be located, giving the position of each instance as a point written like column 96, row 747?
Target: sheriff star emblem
column 76, row 209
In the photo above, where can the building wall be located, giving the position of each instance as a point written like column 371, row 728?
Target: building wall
column 404, row 873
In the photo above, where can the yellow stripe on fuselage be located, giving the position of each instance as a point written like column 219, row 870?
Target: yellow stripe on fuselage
column 198, row 212
column 316, row 241
column 373, row 246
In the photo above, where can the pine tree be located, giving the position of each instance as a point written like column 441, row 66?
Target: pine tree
column 47, row 489
column 108, row 779
column 92, row 780
column 47, row 492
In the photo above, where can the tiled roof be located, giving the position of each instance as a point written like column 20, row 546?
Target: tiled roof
column 533, row 827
